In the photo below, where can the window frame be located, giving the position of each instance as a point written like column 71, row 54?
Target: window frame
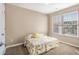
column 68, row 35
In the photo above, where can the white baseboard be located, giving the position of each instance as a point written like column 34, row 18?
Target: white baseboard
column 60, row 41
column 14, row 45
column 70, row 44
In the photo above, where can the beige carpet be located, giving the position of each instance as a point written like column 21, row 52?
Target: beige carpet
column 63, row 49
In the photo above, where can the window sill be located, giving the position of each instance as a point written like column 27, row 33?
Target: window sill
column 66, row 35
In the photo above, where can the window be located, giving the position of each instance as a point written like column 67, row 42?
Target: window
column 57, row 24
column 66, row 24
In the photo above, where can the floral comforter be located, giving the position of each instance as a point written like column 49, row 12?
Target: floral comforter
column 37, row 46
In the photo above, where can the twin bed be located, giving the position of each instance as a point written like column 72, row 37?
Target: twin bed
column 39, row 43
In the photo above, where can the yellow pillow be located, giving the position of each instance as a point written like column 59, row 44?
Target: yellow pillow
column 35, row 35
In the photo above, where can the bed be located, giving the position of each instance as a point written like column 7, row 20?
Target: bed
column 40, row 44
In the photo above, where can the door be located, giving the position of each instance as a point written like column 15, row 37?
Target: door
column 2, row 29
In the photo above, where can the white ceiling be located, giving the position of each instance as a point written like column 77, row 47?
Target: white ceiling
column 44, row 8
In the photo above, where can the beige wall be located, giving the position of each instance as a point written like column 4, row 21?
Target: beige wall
column 20, row 21
column 72, row 40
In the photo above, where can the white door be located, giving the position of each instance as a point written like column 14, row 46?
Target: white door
column 2, row 29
